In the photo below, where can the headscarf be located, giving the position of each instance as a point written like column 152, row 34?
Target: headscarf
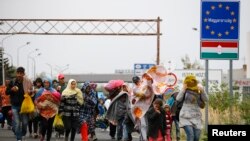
column 113, row 84
column 69, row 91
column 93, row 86
column 85, row 85
column 191, row 82
column 50, row 88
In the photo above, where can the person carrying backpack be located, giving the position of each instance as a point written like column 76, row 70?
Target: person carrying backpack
column 175, row 110
column 190, row 118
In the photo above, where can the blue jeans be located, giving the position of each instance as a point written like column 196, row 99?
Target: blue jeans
column 192, row 133
column 20, row 122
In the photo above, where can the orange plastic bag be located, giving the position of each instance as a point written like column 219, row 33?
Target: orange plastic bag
column 27, row 105
column 84, row 131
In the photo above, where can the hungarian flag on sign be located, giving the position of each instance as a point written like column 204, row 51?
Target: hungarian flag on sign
column 219, row 50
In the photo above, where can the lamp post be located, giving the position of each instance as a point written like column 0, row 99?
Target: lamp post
column 50, row 69
column 2, row 49
column 6, row 38
column 34, row 62
column 61, row 69
column 67, row 67
column 18, row 50
column 28, row 58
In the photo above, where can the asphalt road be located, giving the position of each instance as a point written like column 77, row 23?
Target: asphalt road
column 7, row 135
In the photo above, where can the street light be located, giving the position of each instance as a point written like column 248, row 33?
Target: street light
column 28, row 58
column 34, row 62
column 2, row 41
column 61, row 69
column 50, row 69
column 2, row 48
column 18, row 49
column 195, row 29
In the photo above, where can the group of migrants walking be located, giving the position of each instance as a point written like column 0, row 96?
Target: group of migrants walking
column 69, row 110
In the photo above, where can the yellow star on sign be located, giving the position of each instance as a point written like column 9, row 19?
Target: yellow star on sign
column 226, row 33
column 219, row 34
column 232, row 13
column 205, row 20
column 212, row 7
column 207, row 27
column 232, row 27
column 220, row 5
column 212, row 32
column 234, row 20
column 227, row 7
column 207, row 12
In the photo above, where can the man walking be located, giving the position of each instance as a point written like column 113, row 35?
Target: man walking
column 16, row 89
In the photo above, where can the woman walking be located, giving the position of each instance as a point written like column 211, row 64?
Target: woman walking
column 87, row 111
column 190, row 114
column 47, row 100
column 71, row 100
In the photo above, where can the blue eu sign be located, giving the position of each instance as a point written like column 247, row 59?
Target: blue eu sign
column 220, row 20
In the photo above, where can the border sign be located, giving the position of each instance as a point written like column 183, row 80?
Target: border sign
column 220, row 29
column 220, row 50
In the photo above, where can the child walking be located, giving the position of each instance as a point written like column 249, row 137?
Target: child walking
column 156, row 121
column 168, row 122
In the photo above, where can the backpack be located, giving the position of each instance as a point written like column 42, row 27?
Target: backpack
column 177, row 105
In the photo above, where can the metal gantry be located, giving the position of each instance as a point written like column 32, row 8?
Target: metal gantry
column 113, row 27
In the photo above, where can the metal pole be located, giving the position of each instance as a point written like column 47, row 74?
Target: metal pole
column 50, row 69
column 18, row 50
column 231, row 84
column 67, row 67
column 2, row 48
column 206, row 87
column 3, row 74
column 28, row 59
column 34, row 61
column 158, row 42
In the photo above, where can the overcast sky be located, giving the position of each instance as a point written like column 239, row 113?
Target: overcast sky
column 105, row 54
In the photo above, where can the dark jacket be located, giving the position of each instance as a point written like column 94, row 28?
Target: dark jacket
column 156, row 122
column 16, row 98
